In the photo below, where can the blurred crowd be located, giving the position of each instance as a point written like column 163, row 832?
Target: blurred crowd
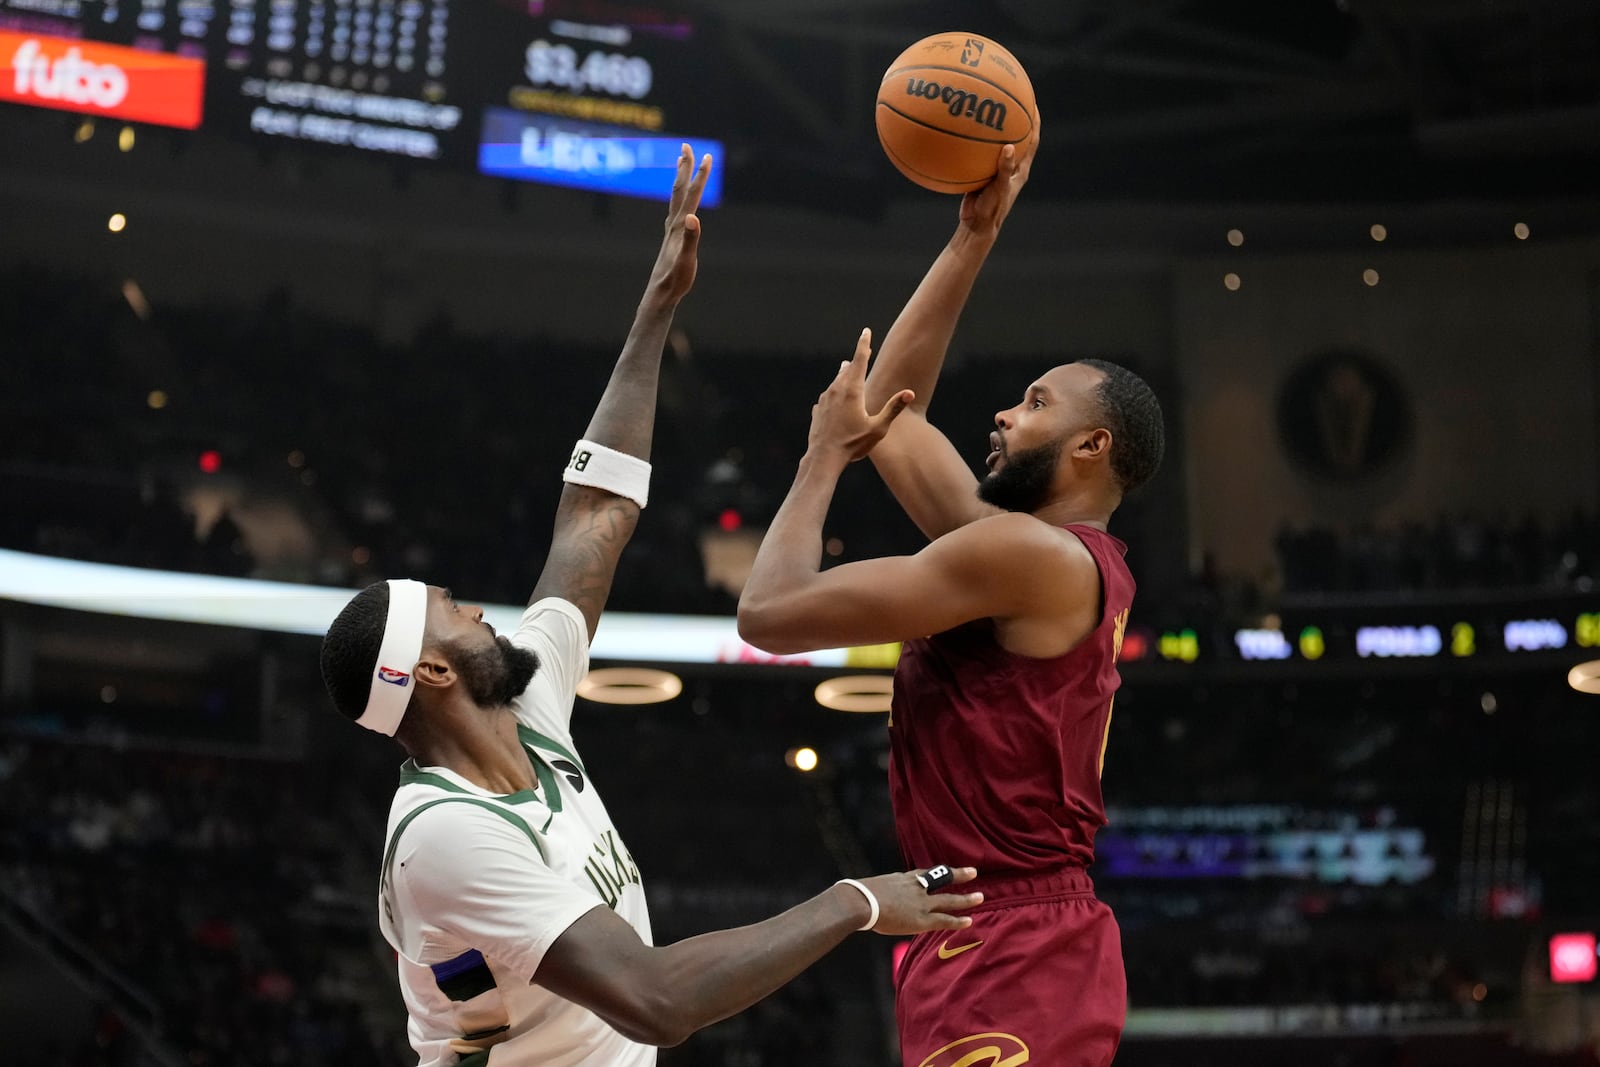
column 235, row 893
column 218, row 887
column 234, row 896
column 272, row 441
column 1459, row 551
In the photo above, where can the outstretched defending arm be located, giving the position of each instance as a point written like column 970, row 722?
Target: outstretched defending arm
column 659, row 996
column 921, row 467
column 592, row 524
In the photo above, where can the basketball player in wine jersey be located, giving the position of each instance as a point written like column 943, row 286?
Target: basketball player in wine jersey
column 1000, row 718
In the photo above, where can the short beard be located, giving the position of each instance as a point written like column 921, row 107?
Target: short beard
column 1023, row 483
column 497, row 675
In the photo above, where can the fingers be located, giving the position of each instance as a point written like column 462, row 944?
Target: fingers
column 863, row 350
column 686, row 191
column 951, row 902
column 680, row 182
column 962, row 874
column 702, row 175
column 891, row 410
column 939, row 921
column 942, row 907
column 857, row 362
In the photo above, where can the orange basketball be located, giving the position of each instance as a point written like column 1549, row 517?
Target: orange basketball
column 946, row 107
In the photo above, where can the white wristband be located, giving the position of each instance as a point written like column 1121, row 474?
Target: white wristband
column 605, row 468
column 872, row 901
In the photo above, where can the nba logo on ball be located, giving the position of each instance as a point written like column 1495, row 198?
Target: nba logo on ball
column 393, row 677
column 948, row 105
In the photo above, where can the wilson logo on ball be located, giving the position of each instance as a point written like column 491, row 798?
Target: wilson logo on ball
column 983, row 110
column 947, row 107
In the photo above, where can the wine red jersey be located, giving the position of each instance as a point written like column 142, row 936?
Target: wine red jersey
column 995, row 758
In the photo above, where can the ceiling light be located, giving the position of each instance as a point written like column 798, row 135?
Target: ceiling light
column 629, row 685
column 1585, row 677
column 857, row 692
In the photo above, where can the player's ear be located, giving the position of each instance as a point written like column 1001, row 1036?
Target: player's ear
column 433, row 670
column 1095, row 444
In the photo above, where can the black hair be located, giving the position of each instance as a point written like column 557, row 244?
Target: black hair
column 1133, row 415
column 350, row 648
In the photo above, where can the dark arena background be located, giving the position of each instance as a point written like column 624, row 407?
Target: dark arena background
column 321, row 291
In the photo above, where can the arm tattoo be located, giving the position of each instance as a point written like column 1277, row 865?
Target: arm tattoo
column 591, row 528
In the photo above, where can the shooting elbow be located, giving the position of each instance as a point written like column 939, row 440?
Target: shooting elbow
column 761, row 626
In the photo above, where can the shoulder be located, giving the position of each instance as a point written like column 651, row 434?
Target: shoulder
column 454, row 832
column 554, row 619
column 1016, row 540
column 1032, row 564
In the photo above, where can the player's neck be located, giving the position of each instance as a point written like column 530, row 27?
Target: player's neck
column 481, row 746
column 1081, row 507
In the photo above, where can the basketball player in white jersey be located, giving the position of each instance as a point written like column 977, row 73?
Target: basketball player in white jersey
column 513, row 905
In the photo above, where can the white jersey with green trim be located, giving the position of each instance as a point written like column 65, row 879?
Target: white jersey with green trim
column 477, row 887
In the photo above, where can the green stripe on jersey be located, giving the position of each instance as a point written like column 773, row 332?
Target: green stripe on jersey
column 533, row 737
column 411, row 774
column 489, row 805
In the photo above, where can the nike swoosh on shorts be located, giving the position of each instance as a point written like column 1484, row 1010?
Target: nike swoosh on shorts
column 946, row 953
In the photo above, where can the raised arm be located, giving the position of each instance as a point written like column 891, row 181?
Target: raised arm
column 592, row 525
column 659, row 996
column 922, row 468
column 1008, row 566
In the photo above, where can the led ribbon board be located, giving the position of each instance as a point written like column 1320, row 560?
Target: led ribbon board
column 283, row 607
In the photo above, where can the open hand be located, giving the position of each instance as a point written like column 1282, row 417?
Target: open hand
column 674, row 271
column 840, row 421
column 904, row 907
column 984, row 210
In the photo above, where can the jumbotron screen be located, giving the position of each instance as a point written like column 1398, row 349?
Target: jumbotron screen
column 141, row 61
column 584, row 93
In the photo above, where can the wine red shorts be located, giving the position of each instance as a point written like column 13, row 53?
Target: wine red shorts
column 1036, row 979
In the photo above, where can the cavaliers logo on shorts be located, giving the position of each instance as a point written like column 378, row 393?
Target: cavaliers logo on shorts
column 980, row 1050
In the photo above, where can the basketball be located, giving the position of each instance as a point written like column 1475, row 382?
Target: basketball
column 947, row 106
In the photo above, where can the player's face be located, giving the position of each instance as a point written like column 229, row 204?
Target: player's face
column 1023, row 480
column 494, row 671
column 1025, row 448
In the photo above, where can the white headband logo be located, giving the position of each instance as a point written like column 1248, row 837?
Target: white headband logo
column 397, row 656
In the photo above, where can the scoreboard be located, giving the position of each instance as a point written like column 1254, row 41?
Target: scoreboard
column 174, row 27
column 589, row 104
column 590, row 94
column 1461, row 633
column 366, row 75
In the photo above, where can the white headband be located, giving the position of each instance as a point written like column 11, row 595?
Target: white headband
column 397, row 658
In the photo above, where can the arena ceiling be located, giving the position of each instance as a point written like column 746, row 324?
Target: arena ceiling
column 1323, row 100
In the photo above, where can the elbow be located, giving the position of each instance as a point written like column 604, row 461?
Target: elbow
column 670, row 1036
column 751, row 622
column 652, row 1018
column 759, row 626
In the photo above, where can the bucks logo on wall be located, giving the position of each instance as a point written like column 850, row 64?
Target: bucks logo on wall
column 1343, row 416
